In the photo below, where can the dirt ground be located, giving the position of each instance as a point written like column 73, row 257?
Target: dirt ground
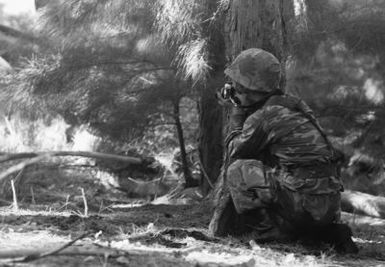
column 51, row 227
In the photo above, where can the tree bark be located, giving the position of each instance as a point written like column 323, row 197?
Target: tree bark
column 210, row 140
column 210, row 135
column 261, row 24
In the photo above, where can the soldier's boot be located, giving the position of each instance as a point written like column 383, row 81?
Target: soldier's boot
column 265, row 228
column 226, row 221
column 232, row 223
column 340, row 236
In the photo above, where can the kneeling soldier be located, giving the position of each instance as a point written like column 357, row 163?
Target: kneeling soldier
column 280, row 166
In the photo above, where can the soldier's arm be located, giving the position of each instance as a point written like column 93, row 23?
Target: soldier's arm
column 250, row 141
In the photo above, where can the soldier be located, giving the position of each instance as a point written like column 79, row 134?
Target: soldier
column 281, row 168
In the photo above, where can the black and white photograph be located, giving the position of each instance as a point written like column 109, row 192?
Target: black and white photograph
column 192, row 133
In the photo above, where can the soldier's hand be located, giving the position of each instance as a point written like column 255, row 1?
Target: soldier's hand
column 237, row 118
column 223, row 97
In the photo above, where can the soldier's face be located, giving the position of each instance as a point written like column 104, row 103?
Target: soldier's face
column 246, row 96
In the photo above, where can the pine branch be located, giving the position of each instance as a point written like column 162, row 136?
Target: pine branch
column 16, row 33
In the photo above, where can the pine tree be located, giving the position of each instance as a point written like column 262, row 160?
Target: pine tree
column 116, row 78
column 190, row 32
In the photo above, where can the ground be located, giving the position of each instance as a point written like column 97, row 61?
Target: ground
column 118, row 231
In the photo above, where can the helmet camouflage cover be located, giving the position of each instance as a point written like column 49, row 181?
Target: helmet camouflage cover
column 256, row 70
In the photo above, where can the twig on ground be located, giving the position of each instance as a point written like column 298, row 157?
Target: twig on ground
column 100, row 207
column 85, row 203
column 34, row 257
column 65, row 205
column 18, row 177
column 106, row 256
column 33, row 201
column 15, row 206
column 67, row 201
column 205, row 174
column 103, row 208
column 157, row 188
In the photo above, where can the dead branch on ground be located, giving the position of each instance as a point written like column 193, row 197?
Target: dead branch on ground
column 38, row 156
column 87, row 154
column 38, row 256
column 362, row 203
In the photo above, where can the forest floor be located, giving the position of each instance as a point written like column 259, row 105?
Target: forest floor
column 50, row 227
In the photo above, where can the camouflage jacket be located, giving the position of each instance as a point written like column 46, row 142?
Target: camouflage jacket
column 281, row 133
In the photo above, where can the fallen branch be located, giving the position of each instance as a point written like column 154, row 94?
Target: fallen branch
column 36, row 157
column 34, row 257
column 21, row 166
column 87, row 154
column 362, row 203
column 183, row 233
column 362, row 221
column 4, row 257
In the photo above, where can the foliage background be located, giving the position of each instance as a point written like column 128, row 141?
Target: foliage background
column 120, row 80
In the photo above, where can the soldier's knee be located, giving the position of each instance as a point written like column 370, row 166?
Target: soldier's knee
column 248, row 185
column 246, row 174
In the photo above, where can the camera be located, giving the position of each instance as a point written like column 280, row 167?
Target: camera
column 228, row 91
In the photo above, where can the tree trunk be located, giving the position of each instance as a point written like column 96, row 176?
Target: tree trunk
column 210, row 135
column 261, row 24
column 183, row 155
column 250, row 24
column 210, row 113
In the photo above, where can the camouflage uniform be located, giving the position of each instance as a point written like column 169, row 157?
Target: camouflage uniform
column 280, row 159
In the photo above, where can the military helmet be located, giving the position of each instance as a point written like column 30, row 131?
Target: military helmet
column 255, row 69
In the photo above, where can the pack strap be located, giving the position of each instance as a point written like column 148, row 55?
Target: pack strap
column 295, row 104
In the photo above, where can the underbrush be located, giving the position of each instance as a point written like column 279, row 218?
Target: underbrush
column 23, row 135
column 59, row 180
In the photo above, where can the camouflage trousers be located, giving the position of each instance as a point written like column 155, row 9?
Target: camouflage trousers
column 294, row 200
